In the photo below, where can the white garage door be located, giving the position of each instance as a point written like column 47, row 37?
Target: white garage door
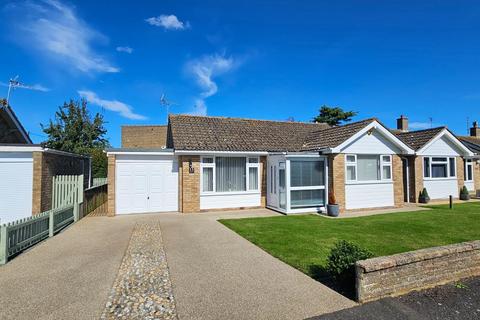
column 16, row 183
column 146, row 184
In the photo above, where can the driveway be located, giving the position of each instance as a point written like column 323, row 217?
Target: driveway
column 68, row 276
column 216, row 274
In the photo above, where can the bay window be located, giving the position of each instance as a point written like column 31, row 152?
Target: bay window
column 229, row 174
column 468, row 170
column 439, row 167
column 362, row 167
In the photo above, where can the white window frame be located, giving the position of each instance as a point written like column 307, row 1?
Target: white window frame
column 382, row 164
column 317, row 187
column 468, row 163
column 213, row 165
column 447, row 162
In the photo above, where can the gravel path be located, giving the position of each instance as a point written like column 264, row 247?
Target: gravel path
column 142, row 289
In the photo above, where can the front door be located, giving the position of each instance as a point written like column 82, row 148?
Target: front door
column 282, row 193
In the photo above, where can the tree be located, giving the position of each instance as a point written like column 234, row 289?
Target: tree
column 74, row 130
column 334, row 116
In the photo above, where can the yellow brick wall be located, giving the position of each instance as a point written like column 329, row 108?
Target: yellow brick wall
column 398, row 186
column 111, row 186
column 144, row 136
column 189, row 182
column 336, row 178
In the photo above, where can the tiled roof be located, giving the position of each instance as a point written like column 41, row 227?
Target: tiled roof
column 11, row 130
column 334, row 136
column 472, row 143
column 417, row 139
column 234, row 134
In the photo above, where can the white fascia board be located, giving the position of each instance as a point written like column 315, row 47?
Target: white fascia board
column 203, row 152
column 25, row 148
column 377, row 126
column 140, row 153
column 452, row 138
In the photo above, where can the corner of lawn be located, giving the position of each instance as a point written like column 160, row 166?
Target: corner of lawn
column 304, row 241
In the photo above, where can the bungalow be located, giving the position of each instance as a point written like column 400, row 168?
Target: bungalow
column 440, row 164
column 472, row 165
column 211, row 163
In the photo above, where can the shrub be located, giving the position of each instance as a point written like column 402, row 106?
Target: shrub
column 331, row 198
column 424, row 197
column 464, row 195
column 342, row 258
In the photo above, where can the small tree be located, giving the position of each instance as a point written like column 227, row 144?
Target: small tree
column 334, row 116
column 74, row 130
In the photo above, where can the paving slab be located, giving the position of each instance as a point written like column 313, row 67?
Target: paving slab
column 217, row 274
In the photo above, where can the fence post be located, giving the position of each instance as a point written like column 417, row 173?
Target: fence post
column 3, row 244
column 51, row 223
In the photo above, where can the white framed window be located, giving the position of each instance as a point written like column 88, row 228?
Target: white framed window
column 221, row 174
column 307, row 183
column 366, row 167
column 439, row 167
column 468, row 170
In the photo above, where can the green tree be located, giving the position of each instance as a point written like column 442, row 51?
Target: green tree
column 334, row 116
column 74, row 130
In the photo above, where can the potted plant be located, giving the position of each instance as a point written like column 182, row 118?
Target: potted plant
column 333, row 209
column 424, row 197
column 464, row 195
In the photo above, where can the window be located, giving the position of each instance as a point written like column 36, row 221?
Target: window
column 307, row 183
column 439, row 167
column 229, row 174
column 468, row 170
column 362, row 167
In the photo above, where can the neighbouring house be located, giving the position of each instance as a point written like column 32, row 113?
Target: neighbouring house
column 472, row 166
column 139, row 136
column 211, row 163
column 11, row 130
column 439, row 164
column 26, row 170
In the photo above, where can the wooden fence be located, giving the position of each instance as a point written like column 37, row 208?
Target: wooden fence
column 22, row 234
column 99, row 182
column 94, row 198
column 67, row 208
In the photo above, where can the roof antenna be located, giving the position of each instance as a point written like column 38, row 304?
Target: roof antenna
column 166, row 103
column 13, row 83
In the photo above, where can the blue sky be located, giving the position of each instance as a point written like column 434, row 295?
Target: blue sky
column 255, row 59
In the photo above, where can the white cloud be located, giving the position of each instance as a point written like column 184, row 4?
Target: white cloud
column 123, row 109
column 54, row 29
column 204, row 70
column 199, row 108
column 124, row 49
column 422, row 125
column 169, row 22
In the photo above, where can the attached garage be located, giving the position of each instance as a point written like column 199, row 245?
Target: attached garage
column 146, row 182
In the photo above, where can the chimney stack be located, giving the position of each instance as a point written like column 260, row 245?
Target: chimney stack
column 402, row 123
column 475, row 130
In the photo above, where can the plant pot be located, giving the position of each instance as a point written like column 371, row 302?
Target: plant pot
column 333, row 210
column 464, row 196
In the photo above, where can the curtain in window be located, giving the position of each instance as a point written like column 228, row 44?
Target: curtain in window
column 230, row 174
column 253, row 178
column 307, row 173
column 368, row 167
column 207, row 179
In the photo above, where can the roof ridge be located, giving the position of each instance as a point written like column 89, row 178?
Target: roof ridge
column 423, row 130
column 247, row 119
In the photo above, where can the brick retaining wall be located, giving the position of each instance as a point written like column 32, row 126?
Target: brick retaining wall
column 401, row 273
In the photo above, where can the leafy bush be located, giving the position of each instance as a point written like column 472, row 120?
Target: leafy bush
column 342, row 258
column 464, row 194
column 331, row 198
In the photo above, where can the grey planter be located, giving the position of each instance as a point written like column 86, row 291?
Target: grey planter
column 333, row 210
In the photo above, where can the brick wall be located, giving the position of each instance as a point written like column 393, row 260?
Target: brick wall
column 46, row 165
column 460, row 173
column 397, row 175
column 416, row 182
column 144, row 136
column 401, row 273
column 263, row 181
column 476, row 176
column 189, row 184
column 336, row 178
column 111, row 186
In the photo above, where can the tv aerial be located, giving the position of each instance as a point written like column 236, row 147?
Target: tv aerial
column 166, row 103
column 13, row 84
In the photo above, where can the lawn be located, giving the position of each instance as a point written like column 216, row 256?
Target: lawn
column 305, row 241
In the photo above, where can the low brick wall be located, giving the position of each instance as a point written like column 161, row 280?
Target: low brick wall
column 401, row 273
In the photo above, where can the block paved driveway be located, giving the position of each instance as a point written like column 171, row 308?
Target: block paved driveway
column 215, row 273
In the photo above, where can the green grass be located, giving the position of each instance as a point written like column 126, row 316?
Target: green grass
column 304, row 241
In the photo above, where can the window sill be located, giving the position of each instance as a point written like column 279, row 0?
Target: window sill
column 232, row 193
column 369, row 182
column 440, row 179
